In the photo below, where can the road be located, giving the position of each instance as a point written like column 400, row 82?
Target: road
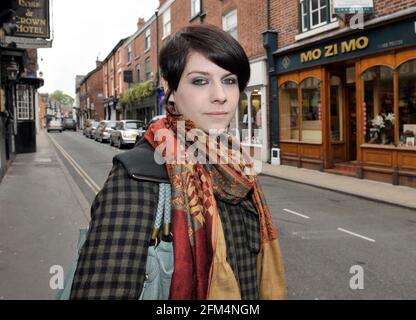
column 335, row 246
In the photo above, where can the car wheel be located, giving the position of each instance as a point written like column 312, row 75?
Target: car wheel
column 60, row 131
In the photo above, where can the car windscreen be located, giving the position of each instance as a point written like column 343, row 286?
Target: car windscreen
column 134, row 125
column 111, row 125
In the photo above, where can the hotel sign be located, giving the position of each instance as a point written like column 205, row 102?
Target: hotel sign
column 352, row 6
column 32, row 18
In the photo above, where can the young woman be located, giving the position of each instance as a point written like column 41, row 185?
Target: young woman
column 224, row 242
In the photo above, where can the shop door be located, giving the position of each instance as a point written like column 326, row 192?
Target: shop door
column 337, row 113
column 351, row 123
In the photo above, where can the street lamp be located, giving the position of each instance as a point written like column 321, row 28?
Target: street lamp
column 12, row 70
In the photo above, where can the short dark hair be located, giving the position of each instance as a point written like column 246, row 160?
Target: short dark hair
column 215, row 44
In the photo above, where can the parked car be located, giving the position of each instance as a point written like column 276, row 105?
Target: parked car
column 69, row 124
column 90, row 130
column 54, row 125
column 104, row 130
column 126, row 132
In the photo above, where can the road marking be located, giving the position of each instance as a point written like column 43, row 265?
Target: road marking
column 87, row 179
column 357, row 235
column 296, row 213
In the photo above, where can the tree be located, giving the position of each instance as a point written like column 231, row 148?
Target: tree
column 62, row 98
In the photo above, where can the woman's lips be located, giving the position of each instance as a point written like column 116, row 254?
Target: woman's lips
column 217, row 114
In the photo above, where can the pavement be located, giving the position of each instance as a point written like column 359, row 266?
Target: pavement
column 41, row 212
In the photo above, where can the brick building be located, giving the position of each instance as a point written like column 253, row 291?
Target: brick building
column 42, row 106
column 344, row 98
column 91, row 102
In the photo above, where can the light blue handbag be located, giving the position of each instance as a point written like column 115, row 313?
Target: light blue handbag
column 159, row 264
column 65, row 293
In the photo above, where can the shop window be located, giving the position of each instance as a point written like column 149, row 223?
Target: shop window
column 243, row 118
column 289, row 112
column 315, row 13
column 311, row 110
column 378, row 105
column 256, row 120
column 336, row 109
column 407, row 103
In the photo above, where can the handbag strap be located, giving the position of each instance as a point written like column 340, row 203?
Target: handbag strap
column 163, row 211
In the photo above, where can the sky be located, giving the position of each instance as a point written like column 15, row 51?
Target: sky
column 82, row 31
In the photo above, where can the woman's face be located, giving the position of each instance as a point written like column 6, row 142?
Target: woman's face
column 207, row 94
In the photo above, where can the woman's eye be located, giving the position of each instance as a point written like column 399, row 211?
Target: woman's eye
column 199, row 82
column 230, row 81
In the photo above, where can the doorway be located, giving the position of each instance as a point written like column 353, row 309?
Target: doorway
column 351, row 123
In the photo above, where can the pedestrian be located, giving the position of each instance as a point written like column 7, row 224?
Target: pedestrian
column 225, row 245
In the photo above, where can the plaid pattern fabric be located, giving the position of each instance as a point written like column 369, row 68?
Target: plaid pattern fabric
column 112, row 262
column 242, row 235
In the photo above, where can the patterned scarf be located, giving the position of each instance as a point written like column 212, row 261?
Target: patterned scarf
column 201, row 270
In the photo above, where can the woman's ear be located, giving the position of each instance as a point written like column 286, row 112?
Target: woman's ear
column 165, row 86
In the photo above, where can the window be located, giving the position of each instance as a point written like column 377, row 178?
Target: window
column 195, row 7
column 256, row 123
column 119, row 56
column 289, row 110
column 120, row 82
column 129, row 54
column 166, row 23
column 147, row 40
column 407, row 103
column 112, row 87
column 243, row 118
column 229, row 23
column 311, row 130
column 24, row 102
column 147, row 69
column 378, row 105
column 137, row 73
column 315, row 13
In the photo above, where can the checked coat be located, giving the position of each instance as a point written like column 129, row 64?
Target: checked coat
column 112, row 261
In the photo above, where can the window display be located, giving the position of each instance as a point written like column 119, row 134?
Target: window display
column 407, row 103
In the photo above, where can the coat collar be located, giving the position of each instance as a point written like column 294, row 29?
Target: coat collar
column 140, row 163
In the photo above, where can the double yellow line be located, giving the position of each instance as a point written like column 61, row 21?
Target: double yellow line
column 87, row 179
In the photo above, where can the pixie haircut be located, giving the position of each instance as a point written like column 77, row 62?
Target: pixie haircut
column 215, row 44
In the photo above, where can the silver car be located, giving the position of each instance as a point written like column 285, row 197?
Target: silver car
column 126, row 132
column 104, row 130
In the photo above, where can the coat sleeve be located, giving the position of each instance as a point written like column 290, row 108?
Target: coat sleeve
column 112, row 262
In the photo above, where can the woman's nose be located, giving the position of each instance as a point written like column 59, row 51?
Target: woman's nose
column 218, row 94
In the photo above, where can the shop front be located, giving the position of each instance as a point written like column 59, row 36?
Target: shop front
column 347, row 105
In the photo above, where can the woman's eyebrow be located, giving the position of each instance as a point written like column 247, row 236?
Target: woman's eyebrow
column 207, row 73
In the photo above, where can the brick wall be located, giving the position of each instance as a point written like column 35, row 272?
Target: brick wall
column 285, row 16
column 90, row 88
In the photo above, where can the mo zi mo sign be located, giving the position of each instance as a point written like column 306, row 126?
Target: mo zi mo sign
column 335, row 49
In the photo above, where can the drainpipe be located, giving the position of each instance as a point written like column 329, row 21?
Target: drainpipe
column 270, row 45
